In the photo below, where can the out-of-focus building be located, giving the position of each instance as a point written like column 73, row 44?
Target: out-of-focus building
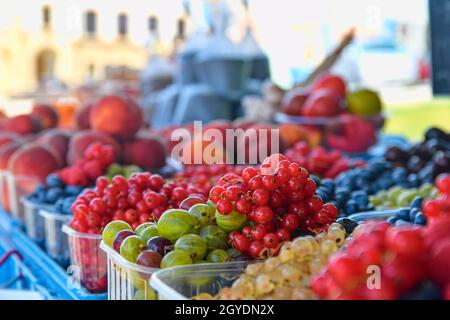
column 77, row 41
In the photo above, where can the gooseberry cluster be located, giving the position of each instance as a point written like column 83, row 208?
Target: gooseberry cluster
column 94, row 163
column 396, row 259
column 434, row 208
column 277, row 198
column 141, row 198
column 319, row 161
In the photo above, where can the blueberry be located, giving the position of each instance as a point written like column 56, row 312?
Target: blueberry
column 328, row 184
column 360, row 197
column 392, row 220
column 53, row 195
column 417, row 203
column 73, row 190
column 420, row 219
column 400, row 174
column 59, row 205
column 316, row 179
column 323, row 193
column 53, row 181
column 351, row 207
column 413, row 179
column 403, row 214
column 412, row 215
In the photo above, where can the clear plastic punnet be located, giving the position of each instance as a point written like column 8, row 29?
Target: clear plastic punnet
column 87, row 260
column 18, row 187
column 4, row 192
column 127, row 280
column 186, row 282
column 56, row 241
column 34, row 223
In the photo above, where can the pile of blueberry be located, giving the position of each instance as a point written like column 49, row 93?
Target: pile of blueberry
column 350, row 190
column 411, row 215
column 55, row 193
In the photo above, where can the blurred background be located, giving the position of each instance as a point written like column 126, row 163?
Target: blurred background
column 60, row 50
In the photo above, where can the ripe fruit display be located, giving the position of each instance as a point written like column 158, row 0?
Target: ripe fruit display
column 426, row 159
column 119, row 170
column 435, row 208
column 402, row 259
column 364, row 102
column 47, row 116
column 285, row 277
column 320, row 162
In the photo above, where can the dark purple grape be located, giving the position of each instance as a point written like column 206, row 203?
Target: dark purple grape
column 160, row 245
column 441, row 162
column 149, row 258
column 396, row 154
column 435, row 133
column 120, row 236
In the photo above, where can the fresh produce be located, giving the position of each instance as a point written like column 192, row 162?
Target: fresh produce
column 435, row 208
column 364, row 102
column 192, row 244
column 112, row 229
column 116, row 169
column 46, row 115
column 175, row 258
column 276, row 199
column 176, row 223
column 413, row 214
column 402, row 254
column 131, row 247
column 320, row 162
column 285, row 277
column 426, row 159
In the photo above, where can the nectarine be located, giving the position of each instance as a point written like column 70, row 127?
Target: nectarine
column 82, row 117
column 331, row 82
column 58, row 140
column 46, row 114
column 117, row 116
column 322, row 103
column 146, row 151
column 23, row 124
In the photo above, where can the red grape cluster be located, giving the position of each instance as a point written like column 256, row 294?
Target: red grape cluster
column 441, row 206
column 96, row 160
column 278, row 198
column 203, row 177
column 403, row 258
column 143, row 197
column 320, row 162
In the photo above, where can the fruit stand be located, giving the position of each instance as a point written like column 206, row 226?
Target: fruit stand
column 214, row 183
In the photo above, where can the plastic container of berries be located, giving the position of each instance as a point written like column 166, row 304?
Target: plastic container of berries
column 4, row 191
column 56, row 241
column 87, row 260
column 186, row 282
column 18, row 187
column 34, row 222
column 339, row 132
column 127, row 280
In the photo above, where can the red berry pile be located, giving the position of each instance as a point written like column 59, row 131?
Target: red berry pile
column 435, row 208
column 202, row 178
column 96, row 160
column 278, row 198
column 401, row 254
column 143, row 197
column 320, row 162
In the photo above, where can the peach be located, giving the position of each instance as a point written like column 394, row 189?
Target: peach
column 23, row 124
column 322, row 103
column 292, row 133
column 8, row 137
column 82, row 117
column 81, row 140
column 146, row 151
column 6, row 151
column 116, row 116
column 46, row 114
column 33, row 161
column 332, row 83
column 294, row 100
column 58, row 140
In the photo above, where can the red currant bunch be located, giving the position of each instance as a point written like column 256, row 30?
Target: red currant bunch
column 141, row 198
column 96, row 160
column 319, row 161
column 277, row 198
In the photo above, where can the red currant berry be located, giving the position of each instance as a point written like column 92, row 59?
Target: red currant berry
column 97, row 205
column 263, row 215
column 271, row 240
column 216, row 194
column 255, row 183
column 101, row 183
column 246, row 231
column 225, row 207
column 310, row 187
column 261, row 197
column 243, row 206
column 249, row 173
column 283, row 235
column 256, row 248
column 241, row 243
column 270, row 182
column 131, row 216
column 233, row 193
column 290, row 222
column 258, row 232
